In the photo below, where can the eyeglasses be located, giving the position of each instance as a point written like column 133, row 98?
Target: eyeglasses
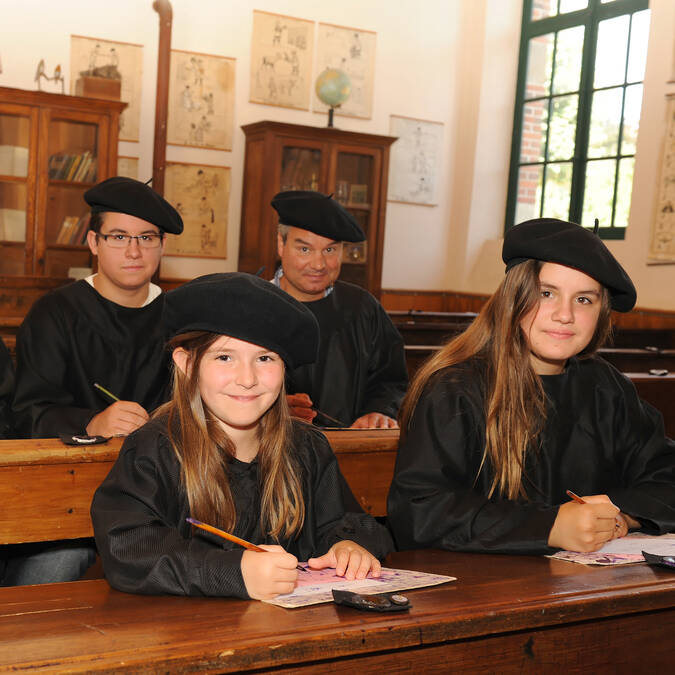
column 123, row 240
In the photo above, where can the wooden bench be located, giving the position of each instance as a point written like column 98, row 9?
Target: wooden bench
column 46, row 487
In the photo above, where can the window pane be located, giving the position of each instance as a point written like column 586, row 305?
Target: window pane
column 535, row 124
column 624, row 191
column 529, row 192
column 568, row 60
column 539, row 65
column 599, row 192
column 631, row 119
column 639, row 37
column 563, row 127
column 543, row 8
column 572, row 5
column 603, row 139
column 610, row 56
column 557, row 193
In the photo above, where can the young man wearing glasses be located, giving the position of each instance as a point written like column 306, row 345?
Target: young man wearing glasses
column 103, row 330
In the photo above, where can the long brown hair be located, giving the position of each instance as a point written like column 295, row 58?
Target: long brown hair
column 203, row 449
column 515, row 404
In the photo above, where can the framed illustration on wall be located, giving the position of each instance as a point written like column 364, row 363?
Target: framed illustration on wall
column 201, row 100
column 128, row 167
column 201, row 194
column 281, row 60
column 415, row 160
column 662, row 244
column 353, row 51
column 106, row 63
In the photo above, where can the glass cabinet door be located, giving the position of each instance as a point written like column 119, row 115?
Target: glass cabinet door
column 14, row 154
column 354, row 187
column 72, row 168
column 300, row 168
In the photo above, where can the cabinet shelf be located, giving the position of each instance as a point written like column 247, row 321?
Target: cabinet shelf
column 70, row 183
column 35, row 128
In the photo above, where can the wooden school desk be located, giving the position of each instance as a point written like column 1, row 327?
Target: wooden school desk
column 503, row 614
column 46, row 487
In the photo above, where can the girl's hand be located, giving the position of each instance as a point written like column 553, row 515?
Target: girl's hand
column 349, row 560
column 267, row 575
column 584, row 527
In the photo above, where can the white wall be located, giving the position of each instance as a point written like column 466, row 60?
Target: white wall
column 452, row 61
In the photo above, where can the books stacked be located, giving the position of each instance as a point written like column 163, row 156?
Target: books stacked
column 73, row 230
column 80, row 168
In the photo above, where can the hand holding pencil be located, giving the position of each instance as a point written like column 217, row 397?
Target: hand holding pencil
column 265, row 576
column 118, row 419
column 585, row 525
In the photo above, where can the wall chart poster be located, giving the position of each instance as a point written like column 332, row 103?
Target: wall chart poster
column 415, row 160
column 201, row 194
column 112, row 60
column 662, row 244
column 281, row 60
column 127, row 166
column 353, row 51
column 201, row 100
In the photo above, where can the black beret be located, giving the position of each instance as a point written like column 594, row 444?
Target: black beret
column 126, row 195
column 245, row 307
column 317, row 213
column 558, row 241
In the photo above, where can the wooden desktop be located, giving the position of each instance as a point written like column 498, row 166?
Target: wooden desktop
column 503, row 614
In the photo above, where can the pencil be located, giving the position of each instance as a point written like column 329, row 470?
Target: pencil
column 329, row 418
column 109, row 394
column 230, row 537
column 575, row 497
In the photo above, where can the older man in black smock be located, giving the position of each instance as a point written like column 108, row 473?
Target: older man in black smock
column 360, row 376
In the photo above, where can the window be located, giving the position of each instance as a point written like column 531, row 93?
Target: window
column 577, row 112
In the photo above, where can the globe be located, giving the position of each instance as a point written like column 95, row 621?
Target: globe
column 333, row 87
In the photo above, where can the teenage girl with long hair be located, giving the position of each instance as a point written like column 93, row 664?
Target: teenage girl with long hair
column 225, row 451
column 517, row 410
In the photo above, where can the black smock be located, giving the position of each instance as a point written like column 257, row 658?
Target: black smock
column 6, row 388
column 599, row 438
column 147, row 546
column 73, row 337
column 361, row 366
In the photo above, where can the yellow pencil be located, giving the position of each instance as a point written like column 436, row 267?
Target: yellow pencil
column 230, row 537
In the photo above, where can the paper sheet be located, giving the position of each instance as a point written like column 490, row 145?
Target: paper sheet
column 315, row 586
column 624, row 550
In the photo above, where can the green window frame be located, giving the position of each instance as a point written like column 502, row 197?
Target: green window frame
column 585, row 161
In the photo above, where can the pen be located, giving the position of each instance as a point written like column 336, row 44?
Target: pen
column 579, row 500
column 230, row 537
column 109, row 394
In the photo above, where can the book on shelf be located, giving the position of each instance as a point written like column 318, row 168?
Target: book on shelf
column 76, row 167
column 79, row 236
column 66, row 230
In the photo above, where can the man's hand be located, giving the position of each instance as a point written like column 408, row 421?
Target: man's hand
column 374, row 421
column 118, row 419
column 301, row 406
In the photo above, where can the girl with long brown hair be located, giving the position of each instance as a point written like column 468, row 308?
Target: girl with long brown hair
column 517, row 410
column 225, row 451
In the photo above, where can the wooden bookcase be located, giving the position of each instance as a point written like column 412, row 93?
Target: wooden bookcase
column 354, row 167
column 52, row 149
